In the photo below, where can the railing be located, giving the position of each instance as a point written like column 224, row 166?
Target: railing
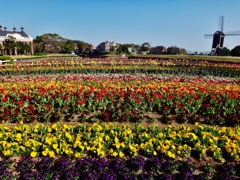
column 2, row 62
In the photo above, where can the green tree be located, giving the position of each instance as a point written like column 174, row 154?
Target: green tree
column 50, row 43
column 68, row 46
column 235, row 51
column 183, row 51
column 223, row 52
column 122, row 48
column 1, row 48
column 145, row 46
column 82, row 46
column 173, row 50
column 10, row 44
column 23, row 48
column 27, row 48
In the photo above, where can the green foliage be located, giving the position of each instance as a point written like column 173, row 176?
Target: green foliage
column 40, row 54
column 50, row 43
column 235, row 51
column 173, row 50
column 5, row 58
column 183, row 51
column 123, row 48
column 22, row 48
column 223, row 52
column 68, row 46
column 1, row 48
column 82, row 46
column 11, row 44
column 145, row 46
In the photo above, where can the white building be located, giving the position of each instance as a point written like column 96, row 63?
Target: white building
column 106, row 47
column 19, row 36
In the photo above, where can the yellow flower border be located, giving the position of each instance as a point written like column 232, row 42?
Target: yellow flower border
column 119, row 140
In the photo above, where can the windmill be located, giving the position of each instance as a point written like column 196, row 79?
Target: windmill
column 218, row 37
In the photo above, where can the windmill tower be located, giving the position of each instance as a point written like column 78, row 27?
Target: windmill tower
column 218, row 37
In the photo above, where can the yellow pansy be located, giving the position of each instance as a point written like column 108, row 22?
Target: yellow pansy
column 45, row 152
column 51, row 153
column 114, row 153
column 107, row 138
column 154, row 153
column 77, row 155
column 55, row 146
column 121, row 154
column 33, row 154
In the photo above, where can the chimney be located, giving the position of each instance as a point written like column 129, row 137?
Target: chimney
column 14, row 29
column 22, row 29
column 5, row 29
column 0, row 28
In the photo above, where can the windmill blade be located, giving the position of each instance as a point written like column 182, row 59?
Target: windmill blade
column 208, row 35
column 221, row 23
column 232, row 33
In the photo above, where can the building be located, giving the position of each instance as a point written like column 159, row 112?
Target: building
column 16, row 36
column 158, row 50
column 106, row 47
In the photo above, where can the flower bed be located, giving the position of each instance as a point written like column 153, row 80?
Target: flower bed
column 160, row 66
column 135, row 94
column 108, row 169
column 121, row 140
column 120, row 98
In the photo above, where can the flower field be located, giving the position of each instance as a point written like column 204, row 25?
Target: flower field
column 119, row 119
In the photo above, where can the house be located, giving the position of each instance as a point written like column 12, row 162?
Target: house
column 17, row 36
column 158, row 50
column 106, row 47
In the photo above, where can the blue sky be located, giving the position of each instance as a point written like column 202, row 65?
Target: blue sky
column 182, row 23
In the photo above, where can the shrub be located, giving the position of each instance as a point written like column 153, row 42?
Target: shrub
column 4, row 58
column 40, row 54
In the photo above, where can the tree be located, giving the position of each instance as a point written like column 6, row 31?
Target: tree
column 51, row 43
column 27, row 48
column 82, row 46
column 68, row 46
column 123, row 48
column 235, row 51
column 223, row 52
column 145, row 46
column 10, row 44
column 20, row 47
column 173, row 50
column 183, row 51
column 1, row 48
